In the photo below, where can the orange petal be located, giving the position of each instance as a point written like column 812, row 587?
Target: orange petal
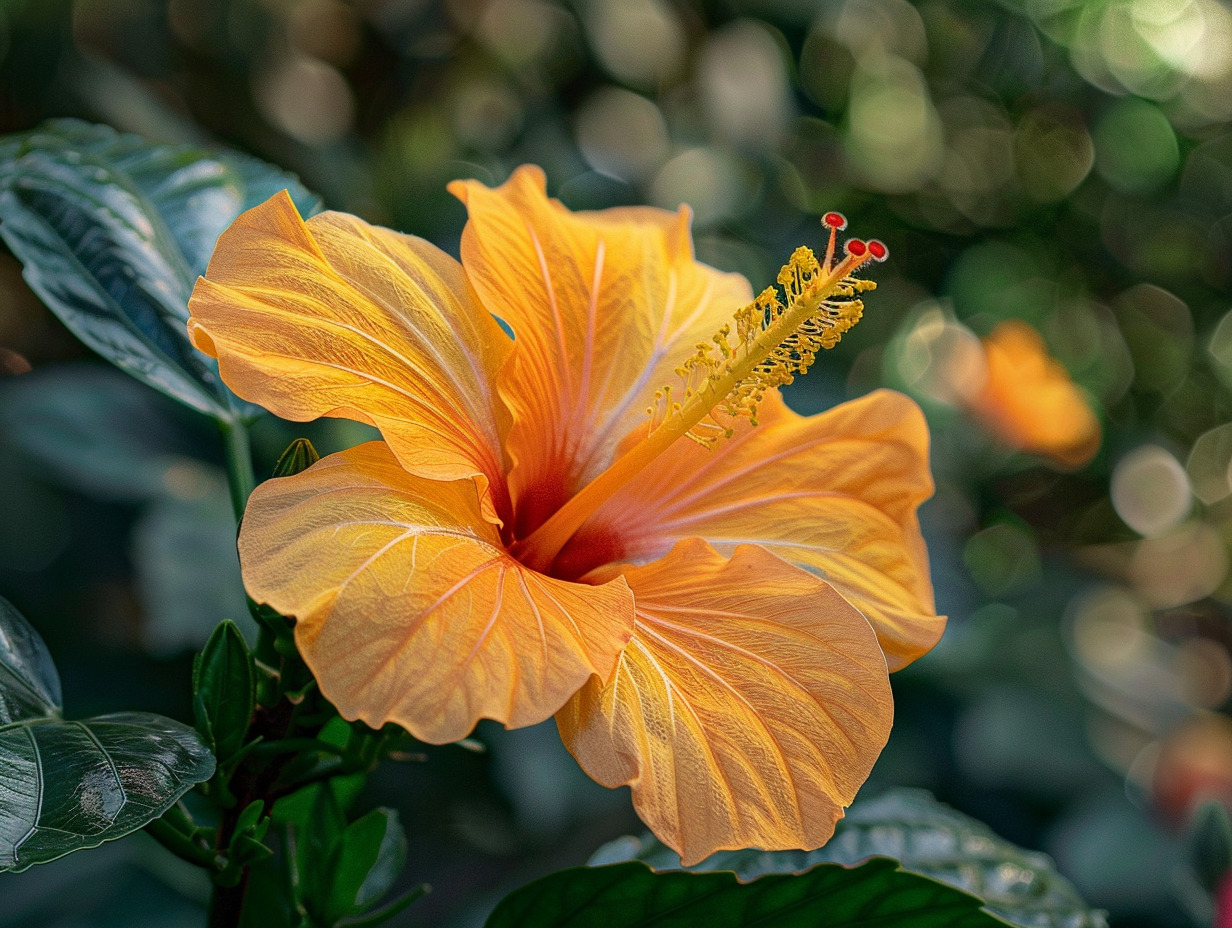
column 604, row 306
column 334, row 317
column 408, row 608
column 1029, row 401
column 747, row 709
column 835, row 493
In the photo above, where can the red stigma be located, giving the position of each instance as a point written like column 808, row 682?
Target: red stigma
column 878, row 250
column 856, row 247
column 835, row 221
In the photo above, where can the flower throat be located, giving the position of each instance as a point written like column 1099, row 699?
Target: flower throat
column 776, row 339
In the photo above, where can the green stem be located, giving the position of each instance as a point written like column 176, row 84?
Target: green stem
column 240, row 476
column 181, row 844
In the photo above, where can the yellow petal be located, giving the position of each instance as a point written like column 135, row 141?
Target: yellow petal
column 334, row 317
column 747, row 709
column 835, row 493
column 1029, row 401
column 604, row 306
column 408, row 608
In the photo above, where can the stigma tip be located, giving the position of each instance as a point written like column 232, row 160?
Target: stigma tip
column 878, row 250
column 836, row 221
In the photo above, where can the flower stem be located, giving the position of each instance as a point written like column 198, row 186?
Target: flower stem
column 240, row 477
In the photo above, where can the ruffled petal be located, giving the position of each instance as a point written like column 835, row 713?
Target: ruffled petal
column 834, row 493
column 334, row 317
column 409, row 611
column 604, row 306
column 746, row 711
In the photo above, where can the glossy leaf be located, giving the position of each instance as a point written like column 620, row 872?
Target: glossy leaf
column 113, row 231
column 71, row 785
column 367, row 861
column 926, row 837
column 29, row 684
column 828, row 896
column 223, row 678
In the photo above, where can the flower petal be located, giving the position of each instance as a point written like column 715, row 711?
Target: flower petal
column 409, row 611
column 604, row 307
column 334, row 317
column 834, row 493
column 747, row 709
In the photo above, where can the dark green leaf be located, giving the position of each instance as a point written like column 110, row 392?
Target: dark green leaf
column 827, row 896
column 71, row 785
column 268, row 901
column 112, row 232
column 299, row 456
column 367, row 861
column 29, row 684
column 223, row 678
column 249, row 817
column 94, row 430
column 389, row 910
column 248, row 849
column 926, row 837
column 296, row 809
column 318, row 838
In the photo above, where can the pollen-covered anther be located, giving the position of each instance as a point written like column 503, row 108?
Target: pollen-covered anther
column 777, row 337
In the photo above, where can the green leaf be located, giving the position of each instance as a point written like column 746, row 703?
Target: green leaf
column 94, row 430
column 318, row 837
column 223, row 678
column 268, row 901
column 113, row 231
column 926, row 837
column 389, row 910
column 249, row 816
column 66, row 785
column 29, row 684
column 828, row 896
column 366, row 863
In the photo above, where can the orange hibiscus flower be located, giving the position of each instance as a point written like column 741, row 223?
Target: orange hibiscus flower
column 582, row 520
column 1029, row 402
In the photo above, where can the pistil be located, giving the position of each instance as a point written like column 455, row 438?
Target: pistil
column 774, row 343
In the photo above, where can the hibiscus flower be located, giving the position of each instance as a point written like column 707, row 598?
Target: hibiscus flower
column 610, row 516
column 1029, row 401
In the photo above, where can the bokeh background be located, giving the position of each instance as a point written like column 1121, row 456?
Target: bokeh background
column 1064, row 163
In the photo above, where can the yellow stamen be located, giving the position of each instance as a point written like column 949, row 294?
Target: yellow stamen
column 775, row 341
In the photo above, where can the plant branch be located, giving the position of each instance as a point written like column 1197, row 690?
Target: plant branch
column 240, row 476
column 182, row 845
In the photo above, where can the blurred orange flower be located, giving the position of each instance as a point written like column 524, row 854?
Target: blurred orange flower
column 710, row 619
column 1029, row 401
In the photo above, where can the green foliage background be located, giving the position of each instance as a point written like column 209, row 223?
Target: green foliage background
column 1067, row 163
